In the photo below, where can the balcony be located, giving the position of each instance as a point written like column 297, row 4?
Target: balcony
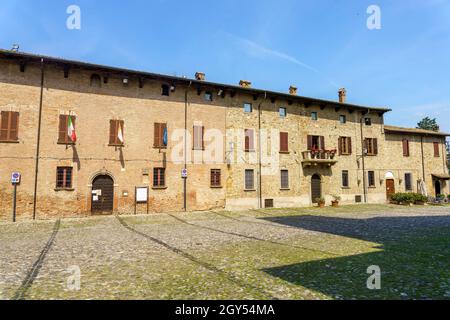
column 314, row 158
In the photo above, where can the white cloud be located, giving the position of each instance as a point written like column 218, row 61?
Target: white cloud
column 256, row 50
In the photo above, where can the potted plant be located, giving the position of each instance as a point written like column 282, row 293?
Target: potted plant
column 321, row 202
column 335, row 202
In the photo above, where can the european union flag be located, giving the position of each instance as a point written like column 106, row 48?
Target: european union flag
column 165, row 137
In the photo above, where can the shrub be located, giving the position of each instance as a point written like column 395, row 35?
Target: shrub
column 408, row 198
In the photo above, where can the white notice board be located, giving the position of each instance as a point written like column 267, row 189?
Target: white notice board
column 142, row 195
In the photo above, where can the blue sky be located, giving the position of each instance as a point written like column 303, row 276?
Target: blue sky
column 317, row 45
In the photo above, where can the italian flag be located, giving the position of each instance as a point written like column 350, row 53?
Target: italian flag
column 120, row 134
column 71, row 130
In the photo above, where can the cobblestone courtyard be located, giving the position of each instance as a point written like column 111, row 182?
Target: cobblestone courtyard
column 265, row 254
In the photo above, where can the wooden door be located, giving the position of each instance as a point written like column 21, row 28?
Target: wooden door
column 390, row 188
column 103, row 195
column 316, row 188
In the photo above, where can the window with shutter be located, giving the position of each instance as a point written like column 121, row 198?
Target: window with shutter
column 63, row 129
column 406, row 148
column 345, row 145
column 249, row 179
column 284, row 142
column 159, row 135
column 371, row 146
column 249, row 140
column 284, row 179
column 316, row 143
column 436, row 149
column 199, row 138
column 9, row 126
column 116, row 126
column 216, row 178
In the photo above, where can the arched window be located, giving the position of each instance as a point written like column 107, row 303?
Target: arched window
column 165, row 90
column 96, row 81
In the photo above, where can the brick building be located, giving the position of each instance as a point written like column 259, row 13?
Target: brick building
column 92, row 139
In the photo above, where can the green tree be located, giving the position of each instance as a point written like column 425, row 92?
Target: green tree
column 428, row 124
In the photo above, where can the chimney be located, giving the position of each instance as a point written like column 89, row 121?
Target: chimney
column 293, row 90
column 342, row 95
column 245, row 84
column 200, row 76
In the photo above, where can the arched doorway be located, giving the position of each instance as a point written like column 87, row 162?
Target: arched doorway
column 437, row 187
column 316, row 188
column 102, row 194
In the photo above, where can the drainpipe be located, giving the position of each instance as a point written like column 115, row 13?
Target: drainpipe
column 185, row 145
column 423, row 159
column 38, row 143
column 363, row 160
column 260, row 153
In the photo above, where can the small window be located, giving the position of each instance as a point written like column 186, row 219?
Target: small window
column 371, row 146
column 165, row 90
column 343, row 119
column 249, row 140
column 368, row 121
column 284, row 142
column 268, row 203
column 159, row 177
column 116, row 133
column 208, row 96
column 345, row 145
column 314, row 116
column 248, row 108
column 198, row 138
column 284, row 179
column 436, row 149
column 9, row 126
column 283, row 112
column 96, row 81
column 249, row 179
column 345, row 181
column 216, row 178
column 160, row 137
column 406, row 148
column 371, row 175
column 64, row 178
column 408, row 182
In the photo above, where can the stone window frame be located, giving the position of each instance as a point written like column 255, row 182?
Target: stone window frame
column 64, row 178
column 247, row 186
column 371, row 179
column 284, row 179
column 345, row 179
column 249, row 109
column 408, row 182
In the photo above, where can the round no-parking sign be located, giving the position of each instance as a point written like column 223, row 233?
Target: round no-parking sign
column 15, row 178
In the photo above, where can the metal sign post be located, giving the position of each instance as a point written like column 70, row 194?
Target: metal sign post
column 15, row 180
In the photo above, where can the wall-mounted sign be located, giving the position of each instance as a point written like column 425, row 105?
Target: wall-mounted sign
column 184, row 173
column 142, row 195
column 15, row 178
